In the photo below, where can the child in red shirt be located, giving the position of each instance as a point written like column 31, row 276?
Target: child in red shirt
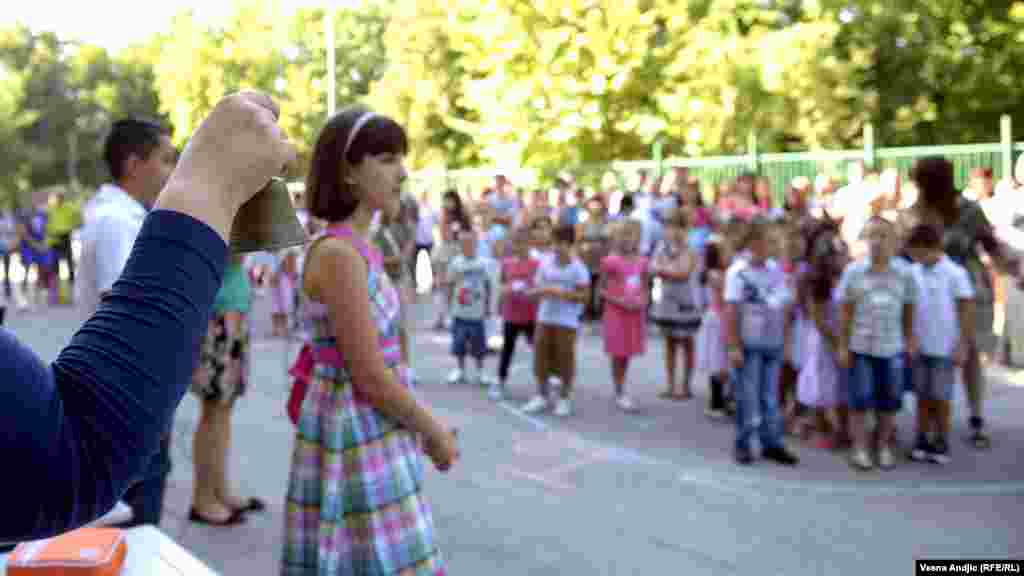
column 518, row 311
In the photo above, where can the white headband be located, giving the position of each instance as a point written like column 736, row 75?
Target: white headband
column 360, row 122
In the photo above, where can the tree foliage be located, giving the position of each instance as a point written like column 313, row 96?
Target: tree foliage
column 550, row 84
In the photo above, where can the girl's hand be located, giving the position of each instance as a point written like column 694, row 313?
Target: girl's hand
column 442, row 448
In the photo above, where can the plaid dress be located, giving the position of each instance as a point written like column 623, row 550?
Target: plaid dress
column 354, row 503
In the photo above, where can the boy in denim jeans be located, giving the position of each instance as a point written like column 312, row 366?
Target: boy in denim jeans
column 756, row 296
column 877, row 296
column 470, row 296
column 943, row 319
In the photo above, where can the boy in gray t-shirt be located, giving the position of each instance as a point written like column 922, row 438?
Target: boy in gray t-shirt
column 877, row 295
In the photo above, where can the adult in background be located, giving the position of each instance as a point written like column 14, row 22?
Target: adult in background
column 8, row 245
column 1012, row 346
column 394, row 238
column 966, row 230
column 221, row 377
column 426, row 221
column 593, row 247
column 34, row 251
column 140, row 157
column 65, row 218
column 567, row 209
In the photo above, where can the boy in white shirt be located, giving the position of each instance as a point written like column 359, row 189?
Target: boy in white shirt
column 561, row 284
column 470, row 296
column 942, row 324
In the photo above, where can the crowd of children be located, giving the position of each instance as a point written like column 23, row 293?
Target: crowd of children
column 795, row 336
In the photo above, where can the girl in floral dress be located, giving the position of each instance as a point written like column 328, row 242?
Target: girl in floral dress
column 355, row 502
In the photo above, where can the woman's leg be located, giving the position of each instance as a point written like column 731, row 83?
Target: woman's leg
column 670, row 368
column 220, row 457
column 689, row 358
column 207, row 466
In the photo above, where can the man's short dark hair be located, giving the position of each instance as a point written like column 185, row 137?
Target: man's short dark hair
column 131, row 137
column 926, row 236
column 565, row 234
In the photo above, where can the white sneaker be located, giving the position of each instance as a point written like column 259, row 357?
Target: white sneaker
column 625, row 403
column 456, row 377
column 536, row 404
column 860, row 459
column 486, row 381
column 495, row 392
column 563, row 408
column 885, row 458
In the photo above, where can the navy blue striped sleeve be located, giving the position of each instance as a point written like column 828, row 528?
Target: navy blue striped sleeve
column 78, row 432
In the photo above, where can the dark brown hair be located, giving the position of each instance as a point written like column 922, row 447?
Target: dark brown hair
column 925, row 236
column 714, row 259
column 937, row 192
column 328, row 196
column 565, row 234
column 129, row 137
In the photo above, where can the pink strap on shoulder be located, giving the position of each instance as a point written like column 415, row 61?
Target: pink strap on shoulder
column 369, row 253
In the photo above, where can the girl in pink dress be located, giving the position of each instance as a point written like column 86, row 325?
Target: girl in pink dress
column 625, row 311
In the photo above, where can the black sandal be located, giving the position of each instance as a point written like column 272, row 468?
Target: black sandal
column 252, row 505
column 237, row 517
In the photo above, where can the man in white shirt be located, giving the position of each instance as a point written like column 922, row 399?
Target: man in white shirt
column 140, row 157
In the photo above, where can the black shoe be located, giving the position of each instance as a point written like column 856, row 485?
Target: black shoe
column 922, row 450
column 780, row 455
column 940, row 453
column 237, row 517
column 252, row 505
column 743, row 456
column 978, row 438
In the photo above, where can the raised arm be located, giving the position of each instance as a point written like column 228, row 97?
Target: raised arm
column 82, row 430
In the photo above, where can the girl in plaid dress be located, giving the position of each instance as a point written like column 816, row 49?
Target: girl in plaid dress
column 355, row 503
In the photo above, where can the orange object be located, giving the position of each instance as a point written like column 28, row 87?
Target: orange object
column 82, row 552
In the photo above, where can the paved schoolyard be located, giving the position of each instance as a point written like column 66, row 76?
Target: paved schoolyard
column 607, row 493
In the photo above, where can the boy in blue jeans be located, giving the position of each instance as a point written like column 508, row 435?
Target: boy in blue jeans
column 943, row 318
column 756, row 296
column 877, row 298
column 470, row 296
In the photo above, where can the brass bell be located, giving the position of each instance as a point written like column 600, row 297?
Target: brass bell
column 267, row 222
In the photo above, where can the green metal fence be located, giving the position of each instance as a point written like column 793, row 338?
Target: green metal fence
column 779, row 169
